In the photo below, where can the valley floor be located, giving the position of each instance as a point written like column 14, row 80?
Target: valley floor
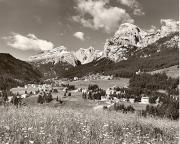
column 42, row 124
column 79, row 121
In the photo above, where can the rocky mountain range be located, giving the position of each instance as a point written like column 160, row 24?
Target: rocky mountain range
column 128, row 39
column 129, row 42
column 88, row 55
column 55, row 55
column 159, row 55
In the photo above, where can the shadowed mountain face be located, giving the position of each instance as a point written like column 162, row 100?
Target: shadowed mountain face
column 15, row 72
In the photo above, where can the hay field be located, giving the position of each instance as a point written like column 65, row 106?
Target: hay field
column 104, row 84
column 36, row 125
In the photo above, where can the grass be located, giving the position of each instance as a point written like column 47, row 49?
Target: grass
column 104, row 84
column 72, row 126
column 170, row 71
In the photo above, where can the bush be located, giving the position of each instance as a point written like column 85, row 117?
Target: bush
column 123, row 108
column 69, row 87
column 69, row 94
column 64, row 94
column 130, row 109
column 40, row 99
column 49, row 98
column 55, row 90
column 93, row 87
column 168, row 109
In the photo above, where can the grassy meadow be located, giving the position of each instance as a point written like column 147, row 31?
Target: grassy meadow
column 79, row 121
column 50, row 125
column 104, row 84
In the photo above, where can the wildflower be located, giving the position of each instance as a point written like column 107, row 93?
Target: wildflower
column 30, row 128
column 30, row 141
column 7, row 127
column 106, row 125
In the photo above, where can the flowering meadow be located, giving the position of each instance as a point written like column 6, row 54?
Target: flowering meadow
column 46, row 125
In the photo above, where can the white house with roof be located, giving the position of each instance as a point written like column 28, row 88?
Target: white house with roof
column 145, row 100
column 110, row 91
column 131, row 100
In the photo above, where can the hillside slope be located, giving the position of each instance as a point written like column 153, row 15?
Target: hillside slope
column 170, row 71
column 14, row 72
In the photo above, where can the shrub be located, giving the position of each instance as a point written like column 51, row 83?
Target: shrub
column 168, row 109
column 64, row 94
column 55, row 90
column 123, row 108
column 130, row 109
column 93, row 87
column 40, row 99
column 49, row 98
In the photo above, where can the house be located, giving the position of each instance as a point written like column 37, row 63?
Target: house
column 24, row 96
column 108, row 91
column 75, row 78
column 131, row 100
column 79, row 89
column 123, row 100
column 157, row 100
column 10, row 98
column 138, row 72
column 84, row 90
column 145, row 100
column 118, row 92
column 103, row 98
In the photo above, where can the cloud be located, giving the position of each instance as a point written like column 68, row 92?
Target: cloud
column 29, row 42
column 152, row 29
column 170, row 23
column 167, row 26
column 79, row 35
column 98, row 14
column 133, row 4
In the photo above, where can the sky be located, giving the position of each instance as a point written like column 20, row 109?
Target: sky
column 28, row 27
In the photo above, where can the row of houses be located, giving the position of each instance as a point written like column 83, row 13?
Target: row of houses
column 42, row 87
column 97, row 77
column 113, row 90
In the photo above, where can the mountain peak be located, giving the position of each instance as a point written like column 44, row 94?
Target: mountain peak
column 55, row 55
column 130, row 38
column 88, row 55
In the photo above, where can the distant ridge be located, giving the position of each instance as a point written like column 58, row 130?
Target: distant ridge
column 123, row 54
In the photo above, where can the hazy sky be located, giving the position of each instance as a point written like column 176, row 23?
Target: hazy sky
column 30, row 26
